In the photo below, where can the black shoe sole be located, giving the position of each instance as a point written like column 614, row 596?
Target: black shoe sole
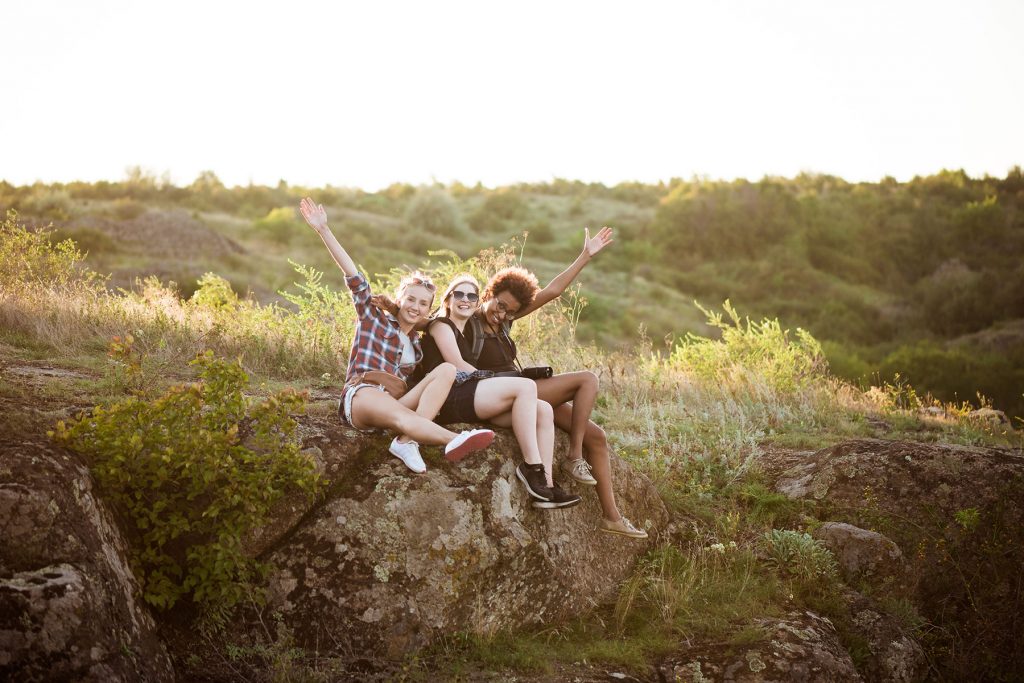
column 529, row 489
column 552, row 505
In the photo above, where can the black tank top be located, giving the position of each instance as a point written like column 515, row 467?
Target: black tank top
column 498, row 352
column 431, row 354
column 496, row 355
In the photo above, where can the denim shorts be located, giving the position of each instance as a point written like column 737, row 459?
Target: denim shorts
column 345, row 406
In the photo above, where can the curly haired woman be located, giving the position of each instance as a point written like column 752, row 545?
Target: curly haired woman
column 512, row 294
column 504, row 401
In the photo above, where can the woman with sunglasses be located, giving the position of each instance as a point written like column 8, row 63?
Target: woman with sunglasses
column 512, row 294
column 385, row 349
column 504, row 401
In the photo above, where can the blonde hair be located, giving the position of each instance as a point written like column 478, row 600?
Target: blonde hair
column 460, row 279
column 389, row 305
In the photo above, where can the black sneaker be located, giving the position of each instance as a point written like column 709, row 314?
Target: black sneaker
column 534, row 480
column 559, row 499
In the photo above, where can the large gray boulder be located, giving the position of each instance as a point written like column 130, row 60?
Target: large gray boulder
column 391, row 559
column 863, row 555
column 69, row 605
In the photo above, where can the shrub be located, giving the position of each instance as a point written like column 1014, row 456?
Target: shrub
column 433, row 210
column 29, row 260
column 280, row 225
column 799, row 555
column 49, row 202
column 955, row 300
column 194, row 470
column 215, row 292
column 762, row 348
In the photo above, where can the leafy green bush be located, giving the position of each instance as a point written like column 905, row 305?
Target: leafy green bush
column 29, row 260
column 499, row 212
column 280, row 224
column 799, row 555
column 845, row 362
column 433, row 210
column 763, row 348
column 194, row 470
column 958, row 373
column 53, row 203
column 215, row 292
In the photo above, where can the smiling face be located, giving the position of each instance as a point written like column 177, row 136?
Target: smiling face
column 462, row 301
column 502, row 306
column 413, row 304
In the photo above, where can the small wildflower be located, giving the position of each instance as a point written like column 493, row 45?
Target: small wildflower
column 717, row 547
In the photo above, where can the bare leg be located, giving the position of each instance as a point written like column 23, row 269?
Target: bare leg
column 497, row 395
column 581, row 389
column 545, row 434
column 427, row 397
column 595, row 446
column 373, row 408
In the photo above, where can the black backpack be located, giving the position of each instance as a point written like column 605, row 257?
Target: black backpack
column 478, row 338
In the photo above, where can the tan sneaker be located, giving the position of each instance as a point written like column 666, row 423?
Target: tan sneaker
column 622, row 527
column 579, row 469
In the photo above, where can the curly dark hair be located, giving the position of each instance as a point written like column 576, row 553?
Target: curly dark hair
column 519, row 282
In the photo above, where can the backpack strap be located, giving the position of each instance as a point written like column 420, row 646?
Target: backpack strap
column 478, row 340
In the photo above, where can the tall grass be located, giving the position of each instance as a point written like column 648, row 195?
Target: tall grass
column 50, row 296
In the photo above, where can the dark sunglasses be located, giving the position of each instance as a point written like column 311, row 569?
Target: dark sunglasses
column 471, row 297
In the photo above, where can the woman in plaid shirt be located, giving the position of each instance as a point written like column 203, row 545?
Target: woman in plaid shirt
column 386, row 342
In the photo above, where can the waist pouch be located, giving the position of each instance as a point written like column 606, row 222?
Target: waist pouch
column 393, row 384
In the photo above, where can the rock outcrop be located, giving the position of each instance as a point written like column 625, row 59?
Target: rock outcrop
column 957, row 515
column 863, row 555
column 803, row 646
column 69, row 607
column 392, row 559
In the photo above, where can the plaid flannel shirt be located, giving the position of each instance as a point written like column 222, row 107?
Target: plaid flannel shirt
column 377, row 344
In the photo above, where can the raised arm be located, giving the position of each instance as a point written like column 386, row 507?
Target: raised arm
column 554, row 289
column 448, row 346
column 317, row 218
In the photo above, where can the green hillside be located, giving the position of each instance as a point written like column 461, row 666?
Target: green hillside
column 924, row 279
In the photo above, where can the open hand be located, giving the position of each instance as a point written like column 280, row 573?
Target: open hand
column 601, row 240
column 314, row 214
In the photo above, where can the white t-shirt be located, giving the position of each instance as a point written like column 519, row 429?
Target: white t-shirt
column 408, row 352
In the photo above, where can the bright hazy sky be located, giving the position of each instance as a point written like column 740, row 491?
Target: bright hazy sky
column 368, row 93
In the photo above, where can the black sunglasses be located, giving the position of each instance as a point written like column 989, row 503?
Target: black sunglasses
column 468, row 296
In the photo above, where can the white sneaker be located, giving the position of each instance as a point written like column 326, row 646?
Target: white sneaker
column 467, row 442
column 409, row 453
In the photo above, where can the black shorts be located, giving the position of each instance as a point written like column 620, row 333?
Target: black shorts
column 458, row 407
